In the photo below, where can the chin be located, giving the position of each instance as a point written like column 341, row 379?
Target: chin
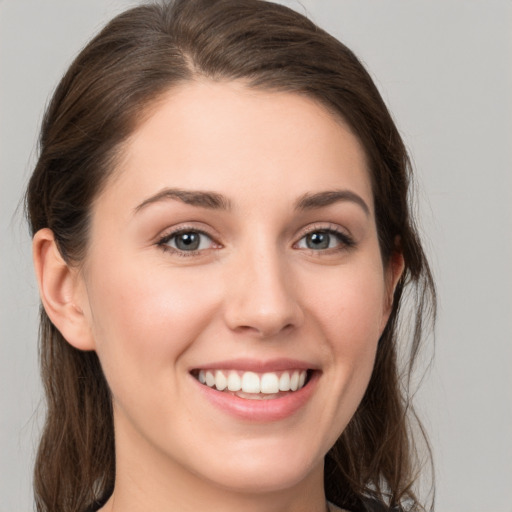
column 253, row 479
column 265, row 470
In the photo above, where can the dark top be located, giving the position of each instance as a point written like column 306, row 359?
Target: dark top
column 370, row 506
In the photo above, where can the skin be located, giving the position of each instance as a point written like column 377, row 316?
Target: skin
column 253, row 290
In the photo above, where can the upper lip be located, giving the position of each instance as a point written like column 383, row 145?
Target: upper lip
column 257, row 366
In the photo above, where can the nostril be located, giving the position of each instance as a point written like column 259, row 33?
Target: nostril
column 265, row 331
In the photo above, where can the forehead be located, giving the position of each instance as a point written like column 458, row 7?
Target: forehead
column 253, row 144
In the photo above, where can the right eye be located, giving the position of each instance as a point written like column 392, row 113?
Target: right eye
column 186, row 241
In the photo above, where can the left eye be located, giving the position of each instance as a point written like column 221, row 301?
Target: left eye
column 188, row 241
column 320, row 240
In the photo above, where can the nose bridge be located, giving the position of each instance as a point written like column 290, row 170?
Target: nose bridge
column 261, row 298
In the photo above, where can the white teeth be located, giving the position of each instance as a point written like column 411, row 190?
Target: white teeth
column 210, row 379
column 294, row 381
column 234, row 381
column 250, row 382
column 302, row 379
column 284, row 382
column 221, row 382
column 269, row 383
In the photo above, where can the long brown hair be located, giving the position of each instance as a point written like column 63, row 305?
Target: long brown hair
column 112, row 84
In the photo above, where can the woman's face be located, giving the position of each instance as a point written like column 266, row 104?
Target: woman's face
column 236, row 243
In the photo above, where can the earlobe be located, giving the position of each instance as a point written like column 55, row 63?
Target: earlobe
column 62, row 291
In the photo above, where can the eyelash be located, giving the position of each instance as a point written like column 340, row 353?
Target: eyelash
column 345, row 241
column 162, row 242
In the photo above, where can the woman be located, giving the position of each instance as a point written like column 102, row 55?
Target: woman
column 222, row 239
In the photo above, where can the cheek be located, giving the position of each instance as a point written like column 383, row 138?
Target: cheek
column 143, row 318
column 349, row 313
column 350, row 307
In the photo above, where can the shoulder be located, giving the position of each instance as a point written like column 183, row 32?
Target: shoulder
column 368, row 505
column 334, row 508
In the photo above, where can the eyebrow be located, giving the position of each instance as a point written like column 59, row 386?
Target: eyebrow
column 203, row 199
column 216, row 201
column 310, row 201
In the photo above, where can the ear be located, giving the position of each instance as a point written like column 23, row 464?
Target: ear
column 62, row 291
column 394, row 271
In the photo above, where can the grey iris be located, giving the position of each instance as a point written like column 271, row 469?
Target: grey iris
column 318, row 240
column 188, row 241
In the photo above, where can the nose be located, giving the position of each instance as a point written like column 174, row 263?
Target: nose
column 261, row 297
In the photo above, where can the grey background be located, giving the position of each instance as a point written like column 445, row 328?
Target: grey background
column 444, row 68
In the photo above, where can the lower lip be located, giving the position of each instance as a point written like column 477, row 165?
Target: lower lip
column 273, row 409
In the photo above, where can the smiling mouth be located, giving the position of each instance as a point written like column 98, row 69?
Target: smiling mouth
column 252, row 385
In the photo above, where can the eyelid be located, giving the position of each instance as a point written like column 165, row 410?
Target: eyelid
column 327, row 226
column 346, row 239
column 163, row 239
